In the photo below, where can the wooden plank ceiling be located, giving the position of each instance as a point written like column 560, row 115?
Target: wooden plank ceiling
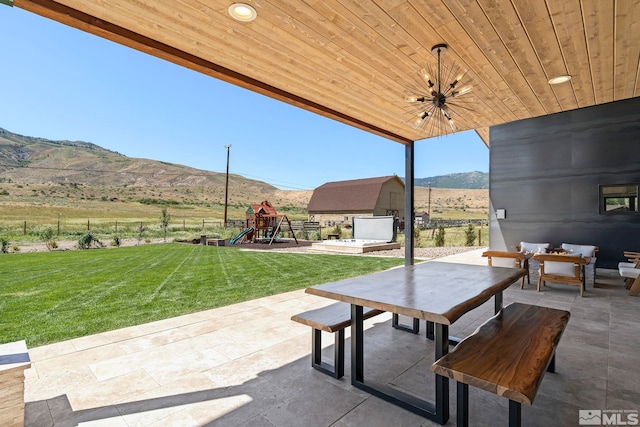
column 355, row 61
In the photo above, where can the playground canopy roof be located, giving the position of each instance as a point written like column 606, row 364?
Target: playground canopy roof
column 265, row 209
column 356, row 61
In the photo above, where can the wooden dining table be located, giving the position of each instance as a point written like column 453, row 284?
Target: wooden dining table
column 437, row 292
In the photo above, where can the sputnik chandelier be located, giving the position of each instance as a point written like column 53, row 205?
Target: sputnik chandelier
column 434, row 111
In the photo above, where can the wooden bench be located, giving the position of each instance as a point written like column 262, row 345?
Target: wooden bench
column 507, row 355
column 14, row 360
column 332, row 318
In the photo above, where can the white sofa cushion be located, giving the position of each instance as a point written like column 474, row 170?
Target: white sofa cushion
column 503, row 262
column 584, row 250
column 534, row 248
column 626, row 265
column 561, row 268
column 630, row 273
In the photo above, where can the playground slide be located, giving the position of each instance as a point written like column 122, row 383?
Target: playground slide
column 239, row 237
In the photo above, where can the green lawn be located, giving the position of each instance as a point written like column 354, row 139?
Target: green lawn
column 54, row 296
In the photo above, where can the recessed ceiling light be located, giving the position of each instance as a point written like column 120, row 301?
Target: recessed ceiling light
column 242, row 12
column 559, row 79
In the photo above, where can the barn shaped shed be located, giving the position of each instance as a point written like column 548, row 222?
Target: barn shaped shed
column 339, row 201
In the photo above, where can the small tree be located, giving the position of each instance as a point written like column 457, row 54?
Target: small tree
column 46, row 235
column 439, row 239
column 141, row 229
column 416, row 237
column 165, row 218
column 470, row 234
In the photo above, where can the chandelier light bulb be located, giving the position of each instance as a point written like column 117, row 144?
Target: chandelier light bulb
column 463, row 91
column 421, row 116
column 427, row 78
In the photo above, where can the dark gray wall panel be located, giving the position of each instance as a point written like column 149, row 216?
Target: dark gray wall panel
column 545, row 173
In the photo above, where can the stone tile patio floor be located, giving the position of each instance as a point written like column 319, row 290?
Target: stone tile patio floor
column 249, row 365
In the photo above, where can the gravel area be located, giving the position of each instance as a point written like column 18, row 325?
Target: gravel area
column 305, row 247
column 67, row 245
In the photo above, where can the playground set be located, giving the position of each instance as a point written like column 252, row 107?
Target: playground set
column 263, row 222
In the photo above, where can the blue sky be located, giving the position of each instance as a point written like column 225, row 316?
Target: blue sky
column 62, row 83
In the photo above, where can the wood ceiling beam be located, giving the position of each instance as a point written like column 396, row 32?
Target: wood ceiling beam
column 90, row 24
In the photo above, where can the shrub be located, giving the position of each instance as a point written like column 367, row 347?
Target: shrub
column 439, row 239
column 470, row 234
column 87, row 240
column 4, row 245
column 52, row 244
column 115, row 241
column 46, row 235
column 15, row 247
column 416, row 237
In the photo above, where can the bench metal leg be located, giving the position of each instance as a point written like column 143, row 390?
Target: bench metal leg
column 396, row 324
column 442, row 383
column 430, row 330
column 497, row 303
column 337, row 370
column 515, row 413
column 462, row 411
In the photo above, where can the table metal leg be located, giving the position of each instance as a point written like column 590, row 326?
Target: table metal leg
column 414, row 328
column 357, row 344
column 438, row 412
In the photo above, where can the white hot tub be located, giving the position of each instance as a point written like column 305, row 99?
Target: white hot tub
column 356, row 243
column 370, row 234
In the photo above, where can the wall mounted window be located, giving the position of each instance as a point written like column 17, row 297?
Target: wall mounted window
column 619, row 198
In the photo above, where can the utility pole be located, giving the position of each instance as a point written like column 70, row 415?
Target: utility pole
column 226, row 188
column 429, row 203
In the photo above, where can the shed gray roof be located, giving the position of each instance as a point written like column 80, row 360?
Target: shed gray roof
column 348, row 196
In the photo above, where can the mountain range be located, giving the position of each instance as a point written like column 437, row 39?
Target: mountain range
column 32, row 160
column 476, row 180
